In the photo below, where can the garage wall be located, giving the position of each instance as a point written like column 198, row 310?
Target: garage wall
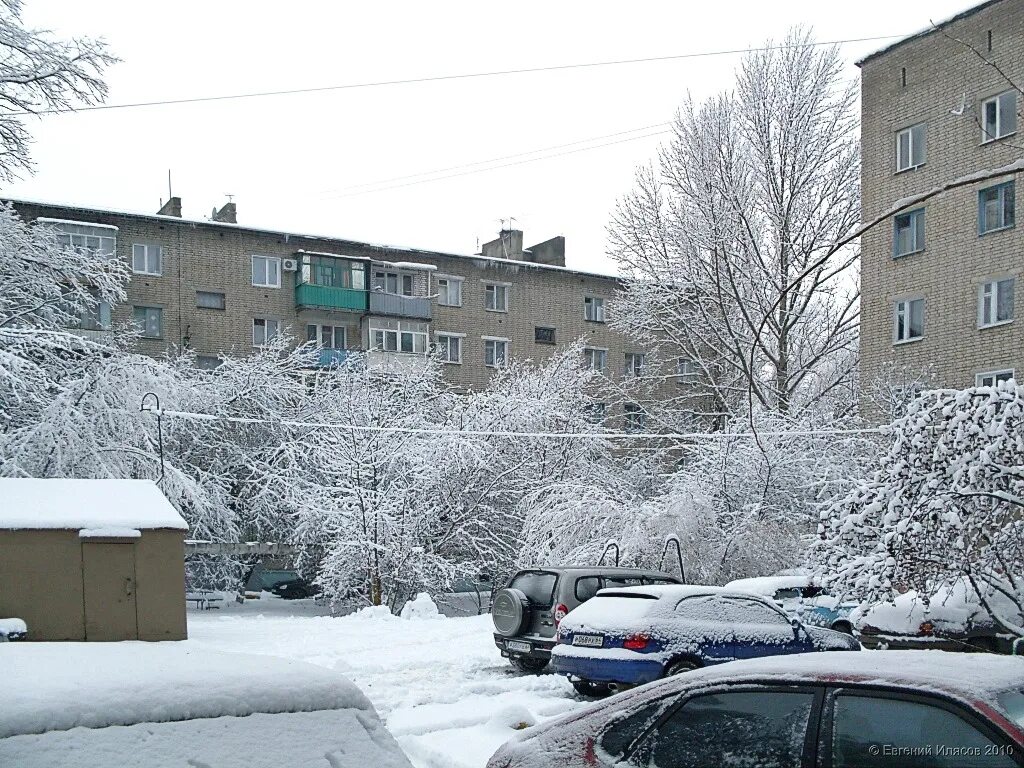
column 160, row 585
column 41, row 582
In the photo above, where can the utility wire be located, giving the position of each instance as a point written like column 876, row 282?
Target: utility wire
column 439, row 78
column 189, row 415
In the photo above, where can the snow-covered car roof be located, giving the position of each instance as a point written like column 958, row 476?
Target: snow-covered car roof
column 59, row 686
column 768, row 585
column 75, row 504
column 950, row 606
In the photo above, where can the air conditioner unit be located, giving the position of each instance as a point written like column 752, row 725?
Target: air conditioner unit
column 290, row 265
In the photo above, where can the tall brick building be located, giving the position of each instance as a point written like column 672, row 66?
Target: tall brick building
column 219, row 288
column 939, row 280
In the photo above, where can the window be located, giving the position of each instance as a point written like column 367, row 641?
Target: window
column 449, row 347
column 762, row 727
column 147, row 259
column 207, row 362
column 910, row 147
column 266, row 271
column 400, row 337
column 624, row 731
column 210, row 300
column 908, row 234
column 263, row 331
column 396, row 283
column 595, row 359
column 86, row 238
column 635, row 418
column 877, row 732
column 993, row 378
column 496, row 297
column 596, row 412
column 333, row 272
column 327, row 336
column 495, row 352
column 150, row 321
column 449, row 291
column 635, row 362
column 686, row 370
column 996, row 208
column 593, row 309
column 544, row 335
column 908, row 321
column 999, row 116
column 995, row 302
column 538, row 586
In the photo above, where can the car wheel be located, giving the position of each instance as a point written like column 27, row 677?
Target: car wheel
column 844, row 627
column 530, row 666
column 591, row 690
column 680, row 666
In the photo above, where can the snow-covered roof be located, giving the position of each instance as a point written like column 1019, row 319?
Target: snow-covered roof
column 924, row 31
column 74, row 504
column 58, row 686
column 767, row 585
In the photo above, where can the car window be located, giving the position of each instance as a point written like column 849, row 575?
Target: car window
column 617, row 582
column 766, row 729
column 651, row 581
column 791, row 593
column 813, row 591
column 1012, row 703
column 875, row 732
column 587, row 587
column 622, row 732
column 538, row 586
column 755, row 612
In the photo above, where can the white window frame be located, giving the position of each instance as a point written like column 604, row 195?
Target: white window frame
column 904, row 305
column 319, row 333
column 446, row 346
column 491, row 293
column 688, row 376
column 632, row 369
column 451, row 282
column 160, row 315
column 590, row 357
column 631, row 411
column 83, row 237
column 496, row 340
column 148, row 250
column 999, row 100
column 593, row 305
column 276, row 260
column 979, row 379
column 990, row 290
column 916, row 228
column 919, row 130
column 392, row 339
column 267, row 336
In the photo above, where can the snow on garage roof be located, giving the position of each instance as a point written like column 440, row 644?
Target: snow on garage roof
column 58, row 686
column 64, row 503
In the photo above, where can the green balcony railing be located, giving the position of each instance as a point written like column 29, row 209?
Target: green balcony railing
column 326, row 297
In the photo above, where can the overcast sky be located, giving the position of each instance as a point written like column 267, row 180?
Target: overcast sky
column 294, row 162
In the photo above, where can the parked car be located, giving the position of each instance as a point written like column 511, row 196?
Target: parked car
column 626, row 637
column 801, row 595
column 12, row 629
column 169, row 705
column 526, row 614
column 295, row 589
column 467, row 597
column 888, row 709
column 952, row 619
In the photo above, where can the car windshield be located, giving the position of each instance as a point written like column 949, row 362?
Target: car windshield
column 1012, row 703
column 538, row 586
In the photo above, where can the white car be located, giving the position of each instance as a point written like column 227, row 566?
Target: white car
column 172, row 705
column 801, row 596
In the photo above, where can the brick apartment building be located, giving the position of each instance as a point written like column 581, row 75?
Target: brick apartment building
column 939, row 281
column 220, row 288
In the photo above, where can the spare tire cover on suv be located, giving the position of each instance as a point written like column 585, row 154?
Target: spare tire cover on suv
column 509, row 611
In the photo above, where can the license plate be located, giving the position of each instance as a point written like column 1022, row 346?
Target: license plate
column 514, row 645
column 588, row 641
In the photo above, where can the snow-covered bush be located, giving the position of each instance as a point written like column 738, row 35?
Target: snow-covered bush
column 945, row 502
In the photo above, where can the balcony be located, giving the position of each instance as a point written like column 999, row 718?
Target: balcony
column 396, row 362
column 332, row 358
column 393, row 305
column 311, row 296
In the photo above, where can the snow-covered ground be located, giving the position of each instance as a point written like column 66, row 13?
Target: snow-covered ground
column 439, row 683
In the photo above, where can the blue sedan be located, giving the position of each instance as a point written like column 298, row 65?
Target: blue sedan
column 625, row 637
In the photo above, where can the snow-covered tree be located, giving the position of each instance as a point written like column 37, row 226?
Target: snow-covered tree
column 730, row 227
column 945, row 502
column 41, row 73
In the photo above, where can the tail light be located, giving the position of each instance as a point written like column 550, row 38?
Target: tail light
column 636, row 642
column 560, row 611
column 926, row 628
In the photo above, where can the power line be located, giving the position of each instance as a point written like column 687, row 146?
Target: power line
column 189, row 415
column 499, row 159
column 440, row 78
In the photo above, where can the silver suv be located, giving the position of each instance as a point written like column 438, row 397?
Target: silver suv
column 526, row 613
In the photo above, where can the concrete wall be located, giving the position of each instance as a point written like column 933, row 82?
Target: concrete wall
column 942, row 77
column 41, row 581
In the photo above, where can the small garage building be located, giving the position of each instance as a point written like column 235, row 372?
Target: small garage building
column 91, row 559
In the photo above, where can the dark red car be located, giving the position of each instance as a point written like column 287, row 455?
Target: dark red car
column 879, row 709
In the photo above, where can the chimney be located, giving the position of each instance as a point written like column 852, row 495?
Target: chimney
column 226, row 215
column 509, row 245
column 171, row 208
column 551, row 252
